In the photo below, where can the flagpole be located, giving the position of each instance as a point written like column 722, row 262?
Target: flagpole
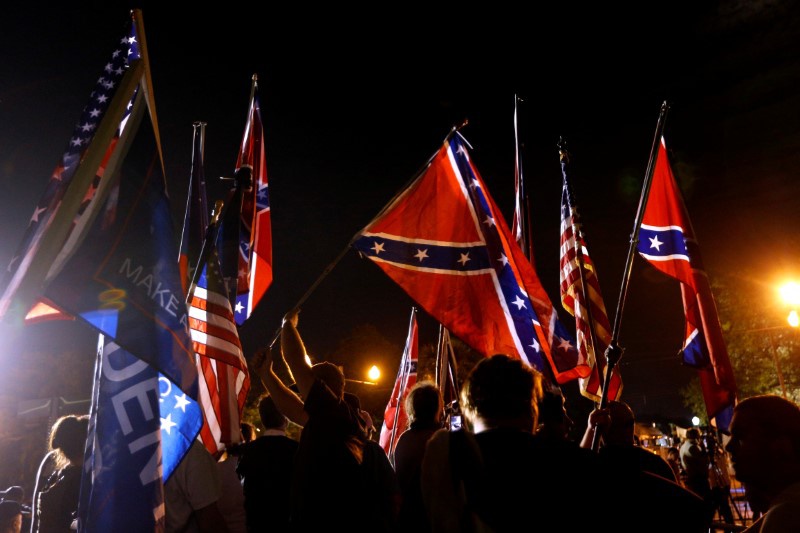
column 356, row 236
column 563, row 156
column 614, row 351
column 404, row 364
column 211, row 237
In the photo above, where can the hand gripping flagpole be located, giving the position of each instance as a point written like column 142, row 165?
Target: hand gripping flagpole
column 614, row 351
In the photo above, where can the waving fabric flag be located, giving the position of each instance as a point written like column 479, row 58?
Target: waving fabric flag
column 445, row 242
column 225, row 379
column 255, row 243
column 395, row 417
column 667, row 241
column 195, row 219
column 122, row 279
column 127, row 439
column 23, row 269
column 579, row 283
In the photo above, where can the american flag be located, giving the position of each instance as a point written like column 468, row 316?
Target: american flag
column 225, row 379
column 395, row 416
column 667, row 241
column 255, row 241
column 101, row 96
column 579, row 282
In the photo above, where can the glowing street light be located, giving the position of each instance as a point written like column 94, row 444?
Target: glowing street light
column 695, row 420
column 374, row 373
column 793, row 319
column 790, row 292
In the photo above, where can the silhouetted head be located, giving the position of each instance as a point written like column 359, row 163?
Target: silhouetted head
column 692, row 433
column 620, row 430
column 765, row 443
column 68, row 437
column 270, row 416
column 331, row 375
column 424, row 405
column 502, row 392
column 553, row 418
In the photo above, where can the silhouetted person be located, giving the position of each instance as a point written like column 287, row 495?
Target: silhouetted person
column 765, row 453
column 718, row 480
column 642, row 483
column 424, row 408
column 11, row 516
column 618, row 445
column 249, row 433
column 265, row 468
column 695, row 461
column 339, row 481
column 498, row 476
column 57, row 501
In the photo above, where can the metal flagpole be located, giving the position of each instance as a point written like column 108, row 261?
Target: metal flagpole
column 614, row 351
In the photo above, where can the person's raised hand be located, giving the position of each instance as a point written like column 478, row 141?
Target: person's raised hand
column 291, row 317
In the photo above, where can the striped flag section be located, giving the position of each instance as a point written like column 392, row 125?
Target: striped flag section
column 219, row 357
column 579, row 283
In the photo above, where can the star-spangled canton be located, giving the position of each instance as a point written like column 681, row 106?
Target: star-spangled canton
column 82, row 135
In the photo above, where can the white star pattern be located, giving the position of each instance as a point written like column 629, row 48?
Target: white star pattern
column 378, row 248
column 239, row 307
column 535, row 346
column 181, row 402
column 503, row 259
column 519, row 302
column 655, row 243
column 464, row 259
column 421, row 254
column 167, row 424
column 489, row 221
column 565, row 345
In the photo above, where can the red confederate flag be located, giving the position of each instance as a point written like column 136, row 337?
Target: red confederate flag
column 395, row 417
column 255, row 244
column 445, row 242
column 667, row 241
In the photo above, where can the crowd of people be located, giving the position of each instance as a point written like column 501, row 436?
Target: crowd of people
column 511, row 467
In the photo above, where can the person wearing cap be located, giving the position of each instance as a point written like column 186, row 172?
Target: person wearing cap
column 11, row 512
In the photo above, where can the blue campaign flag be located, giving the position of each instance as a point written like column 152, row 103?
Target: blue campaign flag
column 141, row 425
column 123, row 279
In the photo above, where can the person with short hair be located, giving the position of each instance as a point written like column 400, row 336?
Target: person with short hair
column 765, row 453
column 265, row 468
column 424, row 409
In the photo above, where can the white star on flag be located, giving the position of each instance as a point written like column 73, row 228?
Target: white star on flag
column 503, row 259
column 464, row 259
column 655, row 243
column 421, row 254
column 181, row 402
column 535, row 345
column 489, row 221
column 378, row 248
column 519, row 302
column 239, row 307
column 167, row 424
column 565, row 345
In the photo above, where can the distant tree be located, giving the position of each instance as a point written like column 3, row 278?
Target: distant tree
column 756, row 334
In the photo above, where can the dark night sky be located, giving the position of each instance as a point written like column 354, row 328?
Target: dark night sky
column 354, row 102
